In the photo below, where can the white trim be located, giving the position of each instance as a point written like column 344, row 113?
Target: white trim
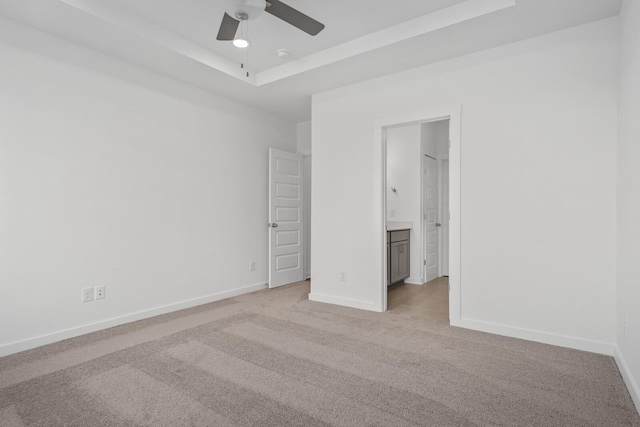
column 537, row 336
column 413, row 282
column 455, row 211
column 306, row 216
column 632, row 385
column 41, row 340
column 353, row 303
column 423, row 211
column 452, row 113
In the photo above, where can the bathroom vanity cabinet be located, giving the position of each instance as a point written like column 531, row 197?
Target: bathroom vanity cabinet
column 397, row 256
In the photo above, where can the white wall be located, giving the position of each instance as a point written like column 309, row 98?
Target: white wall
column 429, row 138
column 403, row 174
column 538, row 184
column 442, row 138
column 161, row 198
column 629, row 198
column 303, row 138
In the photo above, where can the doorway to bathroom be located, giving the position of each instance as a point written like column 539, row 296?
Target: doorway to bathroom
column 421, row 225
column 417, row 157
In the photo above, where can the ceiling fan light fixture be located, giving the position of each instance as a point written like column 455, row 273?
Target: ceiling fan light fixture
column 241, row 42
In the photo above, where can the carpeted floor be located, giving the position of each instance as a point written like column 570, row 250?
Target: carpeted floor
column 273, row 358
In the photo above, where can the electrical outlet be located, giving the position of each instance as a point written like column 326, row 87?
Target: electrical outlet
column 343, row 276
column 252, row 266
column 99, row 292
column 87, row 294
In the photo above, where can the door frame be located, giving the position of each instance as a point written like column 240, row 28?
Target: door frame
column 380, row 126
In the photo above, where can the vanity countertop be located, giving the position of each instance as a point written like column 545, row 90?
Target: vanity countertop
column 399, row 225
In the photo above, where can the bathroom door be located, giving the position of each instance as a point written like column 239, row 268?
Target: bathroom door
column 431, row 218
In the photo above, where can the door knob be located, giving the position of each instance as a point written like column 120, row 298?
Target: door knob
column 272, row 224
column 438, row 224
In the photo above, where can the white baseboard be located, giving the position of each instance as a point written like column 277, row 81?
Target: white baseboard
column 413, row 281
column 362, row 305
column 538, row 336
column 631, row 383
column 41, row 340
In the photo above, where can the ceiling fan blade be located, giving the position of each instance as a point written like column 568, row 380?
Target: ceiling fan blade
column 294, row 17
column 228, row 28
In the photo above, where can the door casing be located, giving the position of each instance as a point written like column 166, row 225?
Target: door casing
column 443, row 206
column 453, row 114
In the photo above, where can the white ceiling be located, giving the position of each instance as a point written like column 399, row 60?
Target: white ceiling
column 362, row 39
column 199, row 20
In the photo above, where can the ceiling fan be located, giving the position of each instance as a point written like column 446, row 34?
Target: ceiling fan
column 245, row 10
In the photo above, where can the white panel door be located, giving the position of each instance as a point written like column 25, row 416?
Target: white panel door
column 431, row 218
column 285, row 218
column 444, row 219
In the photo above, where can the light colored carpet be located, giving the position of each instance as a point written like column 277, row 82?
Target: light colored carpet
column 273, row 358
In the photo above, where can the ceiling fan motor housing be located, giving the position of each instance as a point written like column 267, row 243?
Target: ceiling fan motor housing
column 238, row 11
column 245, row 10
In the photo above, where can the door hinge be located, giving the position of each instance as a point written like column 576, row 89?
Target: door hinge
column 425, row 262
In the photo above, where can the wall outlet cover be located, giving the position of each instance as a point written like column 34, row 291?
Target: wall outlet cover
column 100, row 292
column 87, row 294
